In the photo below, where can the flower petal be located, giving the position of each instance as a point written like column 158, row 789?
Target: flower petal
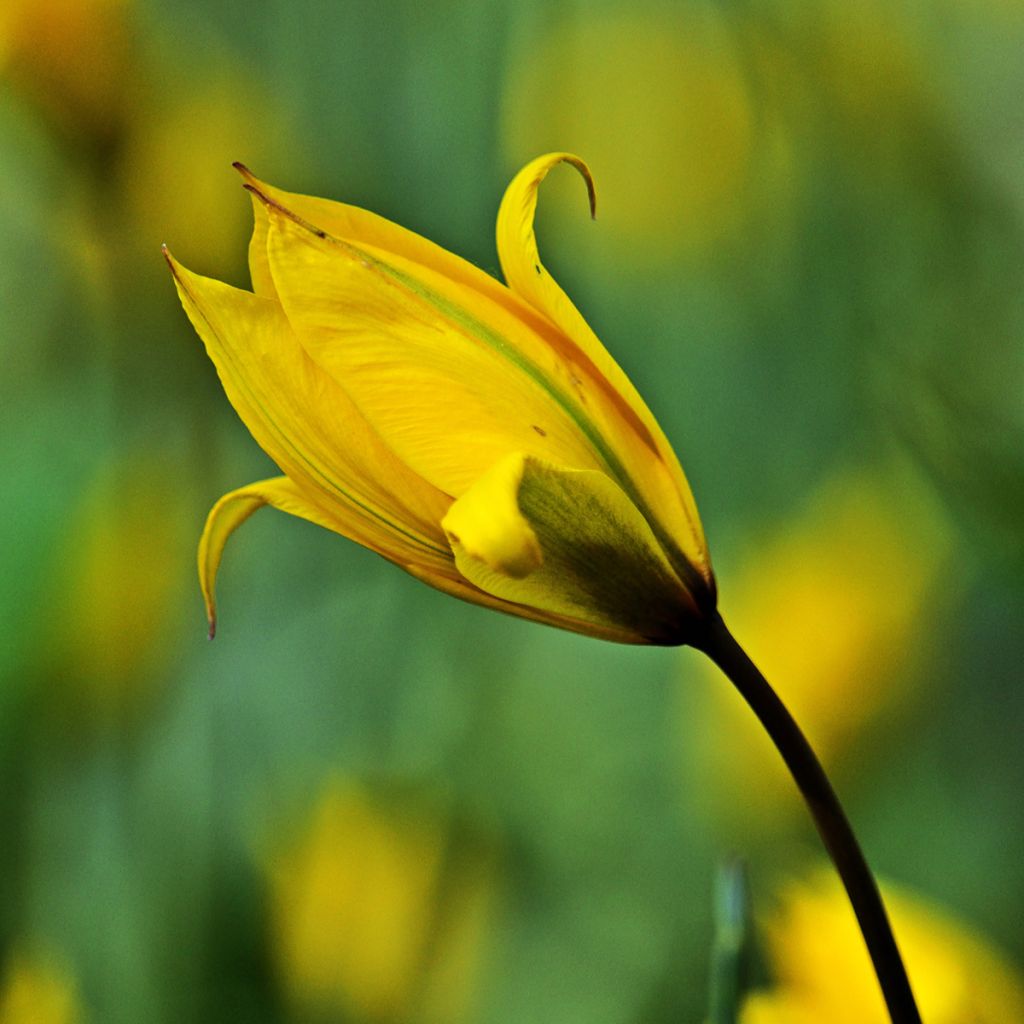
column 307, row 423
column 490, row 528
column 458, row 586
column 520, row 259
column 231, row 511
column 600, row 562
column 445, row 391
column 259, row 265
column 664, row 482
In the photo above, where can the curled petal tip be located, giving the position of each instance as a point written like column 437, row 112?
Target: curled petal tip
column 212, row 631
column 584, row 170
column 591, row 195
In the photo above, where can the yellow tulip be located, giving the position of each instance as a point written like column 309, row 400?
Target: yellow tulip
column 375, row 914
column 476, row 434
column 37, row 988
column 823, row 973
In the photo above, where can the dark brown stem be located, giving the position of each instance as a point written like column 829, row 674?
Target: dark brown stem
column 721, row 647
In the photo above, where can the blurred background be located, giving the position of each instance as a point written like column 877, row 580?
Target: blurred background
column 366, row 802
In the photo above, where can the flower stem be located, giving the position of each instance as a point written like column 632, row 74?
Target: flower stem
column 721, row 647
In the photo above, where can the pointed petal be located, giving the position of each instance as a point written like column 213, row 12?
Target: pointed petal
column 307, row 423
column 600, row 562
column 259, row 265
column 661, row 479
column 444, row 389
column 231, row 511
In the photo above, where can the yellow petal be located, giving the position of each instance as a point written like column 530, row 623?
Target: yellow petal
column 446, row 392
column 599, row 560
column 259, row 265
column 490, row 528
column 458, row 586
column 662, row 479
column 231, row 511
column 307, row 423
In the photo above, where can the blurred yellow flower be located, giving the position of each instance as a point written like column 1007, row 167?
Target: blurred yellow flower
column 73, row 58
column 37, row 991
column 868, row 62
column 368, row 919
column 828, row 608
column 479, row 436
column 167, row 188
column 116, row 585
column 659, row 101
column 823, row 973
column 865, row 82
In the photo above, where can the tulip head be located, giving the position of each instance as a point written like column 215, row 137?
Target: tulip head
column 476, row 434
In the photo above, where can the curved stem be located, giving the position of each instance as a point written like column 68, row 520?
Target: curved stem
column 721, row 647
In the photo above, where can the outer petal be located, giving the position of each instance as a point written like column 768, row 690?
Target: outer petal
column 457, row 586
column 281, row 493
column 259, row 265
column 445, row 391
column 308, row 425
column 601, row 563
column 477, row 302
column 231, row 511
column 523, row 270
column 491, row 529
column 664, row 483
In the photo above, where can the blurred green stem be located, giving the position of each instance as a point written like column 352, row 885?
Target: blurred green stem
column 721, row 647
column 730, row 942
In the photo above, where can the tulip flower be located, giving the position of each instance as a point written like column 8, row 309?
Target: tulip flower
column 476, row 434
column 479, row 436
